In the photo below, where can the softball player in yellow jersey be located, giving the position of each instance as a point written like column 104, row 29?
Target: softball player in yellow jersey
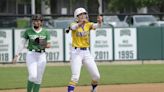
column 80, row 53
column 36, row 56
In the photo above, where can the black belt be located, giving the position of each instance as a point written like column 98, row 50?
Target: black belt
column 40, row 51
column 84, row 48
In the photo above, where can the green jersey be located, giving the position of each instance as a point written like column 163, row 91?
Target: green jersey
column 31, row 35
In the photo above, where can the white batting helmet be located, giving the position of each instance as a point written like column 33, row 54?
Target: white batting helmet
column 79, row 11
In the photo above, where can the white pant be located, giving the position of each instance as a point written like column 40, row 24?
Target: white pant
column 36, row 63
column 79, row 57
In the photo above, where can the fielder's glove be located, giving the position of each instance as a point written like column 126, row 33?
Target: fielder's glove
column 41, row 42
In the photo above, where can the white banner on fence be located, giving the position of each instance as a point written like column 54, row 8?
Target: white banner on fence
column 55, row 53
column 101, row 44
column 68, row 45
column 125, row 44
column 6, row 51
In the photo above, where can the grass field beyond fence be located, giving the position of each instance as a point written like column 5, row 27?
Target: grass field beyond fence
column 16, row 77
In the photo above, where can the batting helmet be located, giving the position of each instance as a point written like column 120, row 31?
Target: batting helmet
column 37, row 17
column 79, row 11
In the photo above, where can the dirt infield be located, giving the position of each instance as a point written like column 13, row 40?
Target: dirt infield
column 155, row 87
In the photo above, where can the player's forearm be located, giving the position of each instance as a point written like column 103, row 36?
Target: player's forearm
column 74, row 26
column 21, row 46
column 99, row 22
column 79, row 24
column 96, row 25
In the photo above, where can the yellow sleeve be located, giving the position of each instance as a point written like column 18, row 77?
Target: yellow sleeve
column 91, row 26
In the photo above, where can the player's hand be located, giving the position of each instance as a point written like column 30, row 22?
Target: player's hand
column 99, row 19
column 15, row 59
column 82, row 21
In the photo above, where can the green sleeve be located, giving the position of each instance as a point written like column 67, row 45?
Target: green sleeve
column 48, row 36
column 25, row 35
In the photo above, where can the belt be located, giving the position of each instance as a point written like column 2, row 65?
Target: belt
column 40, row 51
column 84, row 48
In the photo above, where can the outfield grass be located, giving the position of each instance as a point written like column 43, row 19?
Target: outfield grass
column 16, row 77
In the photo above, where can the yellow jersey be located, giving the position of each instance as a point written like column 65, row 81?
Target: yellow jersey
column 80, row 36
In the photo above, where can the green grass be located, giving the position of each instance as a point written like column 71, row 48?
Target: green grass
column 16, row 77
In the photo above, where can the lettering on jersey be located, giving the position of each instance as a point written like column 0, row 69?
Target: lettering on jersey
column 125, row 32
column 2, row 34
column 82, row 34
column 42, row 36
column 36, row 36
column 53, row 33
column 101, row 33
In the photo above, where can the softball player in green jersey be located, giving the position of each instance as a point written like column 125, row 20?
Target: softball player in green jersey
column 38, row 40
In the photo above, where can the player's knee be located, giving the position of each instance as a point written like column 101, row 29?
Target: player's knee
column 75, row 78
column 33, row 78
column 38, row 81
column 97, row 77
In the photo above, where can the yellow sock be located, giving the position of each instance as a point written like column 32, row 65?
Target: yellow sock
column 72, row 83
